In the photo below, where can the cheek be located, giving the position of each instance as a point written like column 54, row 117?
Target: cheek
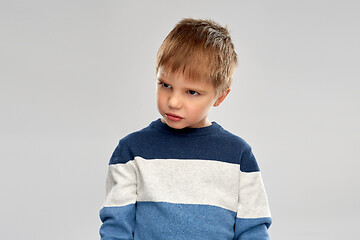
column 160, row 99
column 200, row 109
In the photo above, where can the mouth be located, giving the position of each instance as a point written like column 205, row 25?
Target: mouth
column 173, row 117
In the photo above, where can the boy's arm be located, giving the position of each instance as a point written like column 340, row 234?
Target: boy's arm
column 118, row 211
column 253, row 216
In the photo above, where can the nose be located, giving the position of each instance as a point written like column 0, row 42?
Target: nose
column 175, row 101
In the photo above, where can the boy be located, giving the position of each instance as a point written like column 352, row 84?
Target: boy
column 184, row 177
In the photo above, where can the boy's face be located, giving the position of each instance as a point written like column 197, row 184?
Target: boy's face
column 183, row 102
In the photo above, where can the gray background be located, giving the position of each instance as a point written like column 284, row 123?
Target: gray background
column 76, row 76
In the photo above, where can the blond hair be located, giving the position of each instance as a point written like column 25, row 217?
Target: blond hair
column 202, row 49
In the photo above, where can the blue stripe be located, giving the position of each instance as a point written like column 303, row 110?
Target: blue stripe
column 252, row 228
column 160, row 220
column 118, row 222
column 219, row 145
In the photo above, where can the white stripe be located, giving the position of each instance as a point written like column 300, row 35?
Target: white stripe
column 188, row 181
column 175, row 181
column 253, row 202
column 120, row 184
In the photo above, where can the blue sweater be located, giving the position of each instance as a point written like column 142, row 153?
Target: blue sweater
column 187, row 184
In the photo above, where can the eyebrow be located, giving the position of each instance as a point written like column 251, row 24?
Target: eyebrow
column 161, row 79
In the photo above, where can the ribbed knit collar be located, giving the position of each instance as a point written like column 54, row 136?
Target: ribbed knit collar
column 213, row 128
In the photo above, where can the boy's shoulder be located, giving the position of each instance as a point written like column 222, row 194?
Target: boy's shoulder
column 247, row 161
column 234, row 138
column 124, row 149
column 139, row 136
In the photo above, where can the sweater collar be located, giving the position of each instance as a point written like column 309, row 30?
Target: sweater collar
column 213, row 128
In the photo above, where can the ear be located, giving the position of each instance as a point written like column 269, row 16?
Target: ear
column 222, row 97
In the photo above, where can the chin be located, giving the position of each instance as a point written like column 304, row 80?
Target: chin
column 175, row 125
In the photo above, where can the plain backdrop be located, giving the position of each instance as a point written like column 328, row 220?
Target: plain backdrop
column 76, row 76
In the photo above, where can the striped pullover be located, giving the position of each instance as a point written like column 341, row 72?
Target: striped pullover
column 184, row 184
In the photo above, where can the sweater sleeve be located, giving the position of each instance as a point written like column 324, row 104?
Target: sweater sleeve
column 253, row 216
column 118, row 211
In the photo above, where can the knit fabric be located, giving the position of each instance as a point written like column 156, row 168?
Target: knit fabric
column 181, row 184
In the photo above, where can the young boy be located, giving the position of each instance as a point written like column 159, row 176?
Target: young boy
column 184, row 177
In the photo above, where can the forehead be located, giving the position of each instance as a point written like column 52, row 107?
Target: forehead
column 187, row 74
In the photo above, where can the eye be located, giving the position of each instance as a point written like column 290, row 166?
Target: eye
column 162, row 84
column 193, row 93
column 165, row 85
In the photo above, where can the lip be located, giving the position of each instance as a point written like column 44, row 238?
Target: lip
column 173, row 117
